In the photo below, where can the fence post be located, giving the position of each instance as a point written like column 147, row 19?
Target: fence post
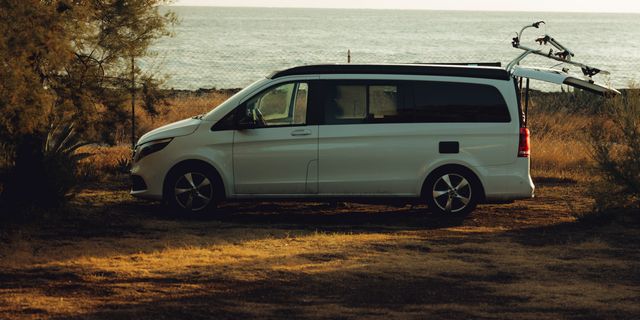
column 133, row 104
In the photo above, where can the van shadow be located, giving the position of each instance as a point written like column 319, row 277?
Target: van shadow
column 294, row 215
column 119, row 227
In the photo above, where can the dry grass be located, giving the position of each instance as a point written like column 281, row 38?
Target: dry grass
column 123, row 259
column 105, row 162
column 180, row 107
column 559, row 143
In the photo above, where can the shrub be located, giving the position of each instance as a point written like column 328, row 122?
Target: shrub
column 44, row 172
column 104, row 164
column 572, row 102
column 615, row 141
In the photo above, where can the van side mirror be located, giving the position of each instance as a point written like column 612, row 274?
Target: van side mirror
column 246, row 119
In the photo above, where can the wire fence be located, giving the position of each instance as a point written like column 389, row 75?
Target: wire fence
column 232, row 47
column 191, row 73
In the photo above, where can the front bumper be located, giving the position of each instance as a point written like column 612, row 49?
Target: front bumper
column 147, row 179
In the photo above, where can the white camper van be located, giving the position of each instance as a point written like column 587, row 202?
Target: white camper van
column 452, row 136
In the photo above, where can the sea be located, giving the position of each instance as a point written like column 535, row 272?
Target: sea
column 223, row 47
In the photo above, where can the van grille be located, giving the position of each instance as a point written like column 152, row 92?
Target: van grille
column 137, row 183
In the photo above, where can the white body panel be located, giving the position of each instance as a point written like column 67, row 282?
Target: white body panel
column 214, row 148
column 381, row 160
column 274, row 160
column 395, row 158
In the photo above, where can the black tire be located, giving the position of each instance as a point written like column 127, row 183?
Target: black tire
column 452, row 192
column 192, row 190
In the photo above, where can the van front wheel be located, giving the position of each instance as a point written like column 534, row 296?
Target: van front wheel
column 191, row 190
column 452, row 193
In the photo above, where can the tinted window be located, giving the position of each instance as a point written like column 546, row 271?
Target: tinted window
column 383, row 102
column 456, row 102
column 411, row 102
column 348, row 104
column 345, row 104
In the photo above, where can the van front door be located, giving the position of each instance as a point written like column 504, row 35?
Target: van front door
column 277, row 151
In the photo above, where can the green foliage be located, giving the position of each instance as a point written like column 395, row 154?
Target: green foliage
column 123, row 165
column 45, row 170
column 63, row 142
column 72, row 59
column 152, row 96
column 108, row 37
column 33, row 46
column 615, row 140
column 67, row 59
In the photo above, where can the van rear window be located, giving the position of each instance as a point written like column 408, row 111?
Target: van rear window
column 456, row 102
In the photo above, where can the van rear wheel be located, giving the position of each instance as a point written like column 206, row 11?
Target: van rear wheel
column 452, row 192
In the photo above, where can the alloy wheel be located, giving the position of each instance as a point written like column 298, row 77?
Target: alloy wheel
column 193, row 191
column 452, row 193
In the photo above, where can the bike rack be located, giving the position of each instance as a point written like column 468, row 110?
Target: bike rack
column 563, row 54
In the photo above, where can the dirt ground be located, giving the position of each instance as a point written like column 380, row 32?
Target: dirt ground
column 113, row 257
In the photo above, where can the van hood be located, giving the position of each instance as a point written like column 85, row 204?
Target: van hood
column 172, row 130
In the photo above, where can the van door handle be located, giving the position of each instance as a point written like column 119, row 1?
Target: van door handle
column 301, row 132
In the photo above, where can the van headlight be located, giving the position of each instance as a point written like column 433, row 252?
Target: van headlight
column 150, row 147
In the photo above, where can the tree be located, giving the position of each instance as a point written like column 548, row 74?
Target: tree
column 33, row 47
column 68, row 61
column 108, row 37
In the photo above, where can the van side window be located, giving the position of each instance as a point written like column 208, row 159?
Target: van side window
column 383, row 102
column 456, row 102
column 351, row 104
column 414, row 102
column 282, row 105
column 345, row 104
column 300, row 106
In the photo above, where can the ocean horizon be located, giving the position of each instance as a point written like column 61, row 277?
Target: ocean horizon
column 230, row 47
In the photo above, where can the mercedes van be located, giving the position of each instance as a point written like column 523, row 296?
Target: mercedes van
column 452, row 136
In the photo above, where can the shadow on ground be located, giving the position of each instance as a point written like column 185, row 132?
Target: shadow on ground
column 371, row 261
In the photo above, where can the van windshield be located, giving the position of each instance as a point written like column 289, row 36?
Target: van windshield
column 239, row 95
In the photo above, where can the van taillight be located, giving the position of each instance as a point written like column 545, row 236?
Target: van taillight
column 524, row 147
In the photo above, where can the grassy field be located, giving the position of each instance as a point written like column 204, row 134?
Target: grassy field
column 109, row 256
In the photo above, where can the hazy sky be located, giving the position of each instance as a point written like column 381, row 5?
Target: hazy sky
column 491, row 5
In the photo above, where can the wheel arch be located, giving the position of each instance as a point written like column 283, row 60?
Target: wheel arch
column 220, row 192
column 458, row 167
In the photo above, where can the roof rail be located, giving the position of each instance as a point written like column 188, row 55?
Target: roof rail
column 470, row 71
column 468, row 64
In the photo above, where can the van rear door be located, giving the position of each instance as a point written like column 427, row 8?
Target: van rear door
column 560, row 77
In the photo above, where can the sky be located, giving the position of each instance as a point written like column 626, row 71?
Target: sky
column 627, row 6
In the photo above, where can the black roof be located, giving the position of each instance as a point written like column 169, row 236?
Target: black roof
column 470, row 71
